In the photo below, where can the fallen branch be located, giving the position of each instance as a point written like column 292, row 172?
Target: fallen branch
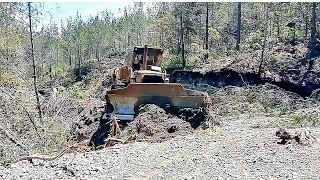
column 243, row 80
column 41, row 157
column 117, row 140
column 25, row 110
column 134, row 140
column 73, row 147
column 13, row 139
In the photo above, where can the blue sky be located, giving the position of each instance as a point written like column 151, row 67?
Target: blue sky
column 62, row 10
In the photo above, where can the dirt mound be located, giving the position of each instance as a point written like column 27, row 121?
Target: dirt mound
column 152, row 122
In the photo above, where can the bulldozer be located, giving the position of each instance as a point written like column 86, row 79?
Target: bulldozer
column 142, row 81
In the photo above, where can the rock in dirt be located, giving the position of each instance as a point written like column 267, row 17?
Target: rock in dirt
column 284, row 135
column 301, row 136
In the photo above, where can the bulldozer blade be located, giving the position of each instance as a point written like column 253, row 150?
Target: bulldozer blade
column 126, row 101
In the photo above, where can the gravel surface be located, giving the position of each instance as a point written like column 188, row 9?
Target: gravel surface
column 244, row 147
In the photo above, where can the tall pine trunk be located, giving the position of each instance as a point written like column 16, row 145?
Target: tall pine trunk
column 182, row 42
column 161, row 39
column 239, row 26
column 34, row 64
column 207, row 33
column 307, row 20
column 79, row 61
column 313, row 31
column 97, row 53
column 70, row 59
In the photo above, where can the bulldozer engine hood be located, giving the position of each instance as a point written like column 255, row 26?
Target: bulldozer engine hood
column 150, row 73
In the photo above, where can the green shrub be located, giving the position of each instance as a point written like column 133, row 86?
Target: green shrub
column 307, row 116
column 10, row 79
column 84, row 70
column 172, row 62
column 76, row 92
column 61, row 68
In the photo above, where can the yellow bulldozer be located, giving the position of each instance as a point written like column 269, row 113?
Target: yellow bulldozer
column 142, row 81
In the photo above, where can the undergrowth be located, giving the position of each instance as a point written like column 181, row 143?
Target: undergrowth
column 265, row 100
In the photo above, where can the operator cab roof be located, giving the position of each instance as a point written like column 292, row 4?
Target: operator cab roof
column 151, row 50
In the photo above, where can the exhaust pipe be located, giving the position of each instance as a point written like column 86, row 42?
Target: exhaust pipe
column 145, row 52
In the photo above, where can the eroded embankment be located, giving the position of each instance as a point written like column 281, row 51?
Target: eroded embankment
column 227, row 77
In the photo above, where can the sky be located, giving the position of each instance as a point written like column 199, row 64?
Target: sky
column 62, row 10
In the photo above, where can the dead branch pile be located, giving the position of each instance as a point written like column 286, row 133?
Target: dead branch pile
column 259, row 99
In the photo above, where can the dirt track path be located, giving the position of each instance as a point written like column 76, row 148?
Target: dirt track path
column 246, row 151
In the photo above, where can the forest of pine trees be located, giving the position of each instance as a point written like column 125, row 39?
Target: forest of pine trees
column 259, row 60
column 190, row 32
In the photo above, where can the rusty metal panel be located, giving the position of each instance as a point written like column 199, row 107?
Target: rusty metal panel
column 159, row 60
column 124, row 73
column 126, row 101
column 151, row 89
column 126, row 104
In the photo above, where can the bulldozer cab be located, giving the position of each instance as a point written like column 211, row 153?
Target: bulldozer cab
column 143, row 57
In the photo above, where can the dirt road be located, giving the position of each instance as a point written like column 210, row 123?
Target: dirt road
column 243, row 147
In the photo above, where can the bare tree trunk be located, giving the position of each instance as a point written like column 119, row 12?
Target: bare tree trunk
column 42, row 61
column 160, row 38
column 114, row 48
column 139, row 35
column 306, row 28
column 182, row 42
column 278, row 27
column 7, row 53
column 262, row 53
column 97, row 53
column 313, row 31
column 239, row 27
column 317, row 29
column 34, row 64
column 57, row 57
column 212, row 14
column 207, row 33
column 79, row 60
column 187, row 40
column 264, row 34
column 137, row 40
column 128, row 40
column 212, row 45
column 161, row 44
column 50, row 71
column 42, row 67
column 307, row 21
column 148, row 37
column 270, row 28
column 56, row 62
column 294, row 33
column 304, row 17
column 70, row 59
